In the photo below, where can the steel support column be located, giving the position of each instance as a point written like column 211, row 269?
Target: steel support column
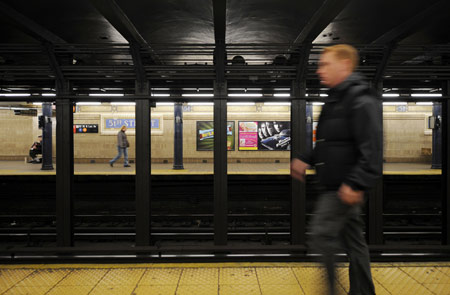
column 445, row 166
column 64, row 172
column 220, row 165
column 436, row 154
column 298, row 188
column 143, row 168
column 374, row 233
column 47, row 142
column 178, row 137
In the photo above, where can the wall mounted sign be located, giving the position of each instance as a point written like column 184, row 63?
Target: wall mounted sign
column 110, row 125
column 85, row 128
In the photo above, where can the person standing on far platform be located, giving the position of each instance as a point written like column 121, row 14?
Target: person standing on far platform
column 122, row 147
column 348, row 161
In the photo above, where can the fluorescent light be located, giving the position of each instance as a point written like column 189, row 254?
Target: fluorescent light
column 318, row 103
column 89, row 103
column 246, row 94
column 123, row 103
column 426, row 95
column 164, row 104
column 198, row 94
column 15, row 94
column 37, row 103
column 282, row 94
column 424, row 103
column 105, row 94
column 277, row 103
column 397, row 103
column 282, row 89
column 240, row 103
column 161, row 94
column 48, row 94
column 391, row 95
column 200, row 103
column 323, row 95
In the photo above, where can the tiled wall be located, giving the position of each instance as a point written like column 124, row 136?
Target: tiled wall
column 406, row 137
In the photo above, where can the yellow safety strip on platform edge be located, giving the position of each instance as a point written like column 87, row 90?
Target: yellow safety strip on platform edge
column 212, row 265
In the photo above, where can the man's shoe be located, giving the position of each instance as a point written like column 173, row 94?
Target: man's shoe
column 111, row 164
column 126, row 166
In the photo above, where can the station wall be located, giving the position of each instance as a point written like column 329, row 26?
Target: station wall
column 406, row 135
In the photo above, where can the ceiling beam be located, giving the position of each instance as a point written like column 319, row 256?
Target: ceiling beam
column 219, row 14
column 437, row 10
column 320, row 20
column 29, row 26
column 120, row 21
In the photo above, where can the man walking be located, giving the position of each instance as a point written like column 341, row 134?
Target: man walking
column 348, row 161
column 122, row 147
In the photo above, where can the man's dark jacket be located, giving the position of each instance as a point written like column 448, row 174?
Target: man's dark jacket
column 349, row 137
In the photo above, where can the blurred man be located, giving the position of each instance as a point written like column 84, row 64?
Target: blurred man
column 348, row 161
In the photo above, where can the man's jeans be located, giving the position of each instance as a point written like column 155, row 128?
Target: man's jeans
column 121, row 150
column 337, row 227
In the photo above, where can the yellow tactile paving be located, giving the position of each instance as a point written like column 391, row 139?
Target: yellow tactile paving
column 112, row 290
column 445, row 270
column 10, row 277
column 200, row 276
column 27, row 290
column 309, row 275
column 438, row 289
column 161, row 276
column 78, row 277
column 238, row 276
column 282, row 290
column 155, row 290
column 276, row 276
column 198, row 290
column 426, row 275
column 391, row 276
column 44, row 277
column 239, row 289
column 122, row 277
column 379, row 290
column 70, row 290
column 407, row 289
column 310, row 289
column 216, row 278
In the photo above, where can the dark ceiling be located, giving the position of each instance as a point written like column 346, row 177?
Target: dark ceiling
column 91, row 40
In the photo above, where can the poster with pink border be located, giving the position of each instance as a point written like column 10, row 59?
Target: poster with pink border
column 248, row 136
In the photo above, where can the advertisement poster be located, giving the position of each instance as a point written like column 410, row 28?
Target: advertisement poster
column 248, row 136
column 265, row 135
column 205, row 135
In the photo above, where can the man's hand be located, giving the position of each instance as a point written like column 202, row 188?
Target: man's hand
column 298, row 169
column 349, row 196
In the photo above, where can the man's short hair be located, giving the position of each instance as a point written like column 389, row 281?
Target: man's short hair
column 344, row 51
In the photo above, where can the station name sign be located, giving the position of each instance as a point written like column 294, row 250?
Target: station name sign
column 110, row 125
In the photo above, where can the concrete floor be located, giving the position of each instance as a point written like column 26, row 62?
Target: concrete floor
column 23, row 168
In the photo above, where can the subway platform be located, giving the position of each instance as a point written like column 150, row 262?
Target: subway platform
column 218, row 278
column 23, row 168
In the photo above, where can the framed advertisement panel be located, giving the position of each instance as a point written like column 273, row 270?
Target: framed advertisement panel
column 205, row 136
column 264, row 135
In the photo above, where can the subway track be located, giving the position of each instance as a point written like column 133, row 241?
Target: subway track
column 182, row 206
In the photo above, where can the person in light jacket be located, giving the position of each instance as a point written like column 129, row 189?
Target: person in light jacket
column 348, row 162
column 122, row 147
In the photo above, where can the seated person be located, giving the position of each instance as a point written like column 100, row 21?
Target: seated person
column 35, row 150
